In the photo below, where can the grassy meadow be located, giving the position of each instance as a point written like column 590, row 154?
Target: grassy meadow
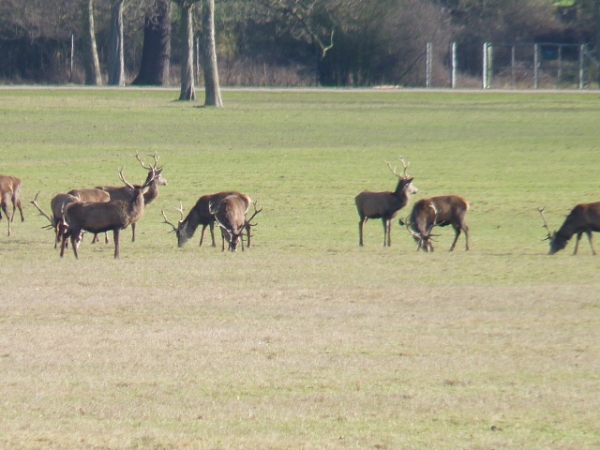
column 306, row 340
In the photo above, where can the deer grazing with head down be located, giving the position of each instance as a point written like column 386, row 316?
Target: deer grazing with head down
column 583, row 218
column 200, row 215
column 58, row 205
column 153, row 180
column 230, row 215
column 438, row 212
column 102, row 217
column 10, row 188
column 384, row 205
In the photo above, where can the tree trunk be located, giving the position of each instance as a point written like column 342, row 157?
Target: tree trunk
column 212, row 89
column 90, row 49
column 187, row 53
column 156, row 51
column 116, row 70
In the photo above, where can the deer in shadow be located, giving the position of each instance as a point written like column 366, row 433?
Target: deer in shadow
column 583, row 218
column 384, row 205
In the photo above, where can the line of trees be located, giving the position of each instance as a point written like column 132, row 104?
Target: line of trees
column 270, row 42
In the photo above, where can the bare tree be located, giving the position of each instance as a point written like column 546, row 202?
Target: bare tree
column 188, row 91
column 212, row 90
column 156, row 51
column 116, row 59
column 90, row 48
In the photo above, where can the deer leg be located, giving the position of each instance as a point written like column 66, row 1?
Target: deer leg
column 248, row 229
column 202, row 235
column 4, row 207
column 17, row 203
column 106, row 237
column 386, row 232
column 133, row 232
column 591, row 239
column 116, row 239
column 466, row 230
column 456, row 235
column 577, row 243
column 361, row 225
column 74, row 245
column 211, row 227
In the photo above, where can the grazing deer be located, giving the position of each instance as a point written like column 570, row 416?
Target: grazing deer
column 384, row 205
column 583, row 218
column 102, row 217
column 58, row 204
column 126, row 193
column 200, row 215
column 438, row 212
column 230, row 215
column 10, row 188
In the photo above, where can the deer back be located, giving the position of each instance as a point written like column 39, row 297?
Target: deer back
column 450, row 209
column 90, row 195
column 58, row 205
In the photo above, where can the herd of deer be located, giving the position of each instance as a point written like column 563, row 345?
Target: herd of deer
column 114, row 208
column 451, row 210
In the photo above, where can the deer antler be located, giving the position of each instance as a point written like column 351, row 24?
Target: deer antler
column 256, row 211
column 545, row 225
column 404, row 165
column 122, row 177
column 149, row 166
column 42, row 213
column 167, row 220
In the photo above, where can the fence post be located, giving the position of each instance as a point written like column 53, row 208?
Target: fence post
column 487, row 65
column 536, row 65
column 581, row 73
column 453, row 65
column 72, row 58
column 428, row 66
column 559, row 74
column 513, row 58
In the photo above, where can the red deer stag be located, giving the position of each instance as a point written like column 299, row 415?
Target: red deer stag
column 583, row 218
column 384, row 205
column 125, row 193
column 92, row 196
column 10, row 188
column 438, row 212
column 230, row 215
column 200, row 215
column 102, row 217
column 58, row 204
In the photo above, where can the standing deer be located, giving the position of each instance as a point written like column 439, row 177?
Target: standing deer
column 583, row 218
column 58, row 205
column 230, row 215
column 92, row 196
column 125, row 193
column 438, row 212
column 200, row 215
column 10, row 188
column 384, row 205
column 102, row 217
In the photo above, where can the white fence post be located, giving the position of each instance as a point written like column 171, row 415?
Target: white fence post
column 487, row 65
column 428, row 65
column 581, row 61
column 536, row 66
column 453, row 82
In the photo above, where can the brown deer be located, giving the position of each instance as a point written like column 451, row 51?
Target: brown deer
column 126, row 193
column 583, row 218
column 200, row 215
column 438, row 212
column 102, row 217
column 92, row 196
column 10, row 188
column 58, row 204
column 384, row 205
column 230, row 215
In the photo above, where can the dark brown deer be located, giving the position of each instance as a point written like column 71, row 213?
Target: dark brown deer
column 230, row 215
column 384, row 205
column 438, row 212
column 102, row 217
column 125, row 193
column 92, row 196
column 10, row 188
column 200, row 215
column 58, row 205
column 583, row 218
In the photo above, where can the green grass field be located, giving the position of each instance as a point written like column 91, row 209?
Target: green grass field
column 306, row 341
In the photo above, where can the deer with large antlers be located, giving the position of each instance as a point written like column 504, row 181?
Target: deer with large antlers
column 583, row 218
column 200, row 215
column 230, row 215
column 10, row 188
column 102, row 217
column 384, row 205
column 438, row 212
column 125, row 193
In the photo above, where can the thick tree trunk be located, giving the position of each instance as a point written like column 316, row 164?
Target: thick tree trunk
column 116, row 70
column 212, row 89
column 187, row 54
column 156, row 52
column 90, row 49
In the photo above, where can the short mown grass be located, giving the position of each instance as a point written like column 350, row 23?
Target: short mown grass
column 306, row 340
